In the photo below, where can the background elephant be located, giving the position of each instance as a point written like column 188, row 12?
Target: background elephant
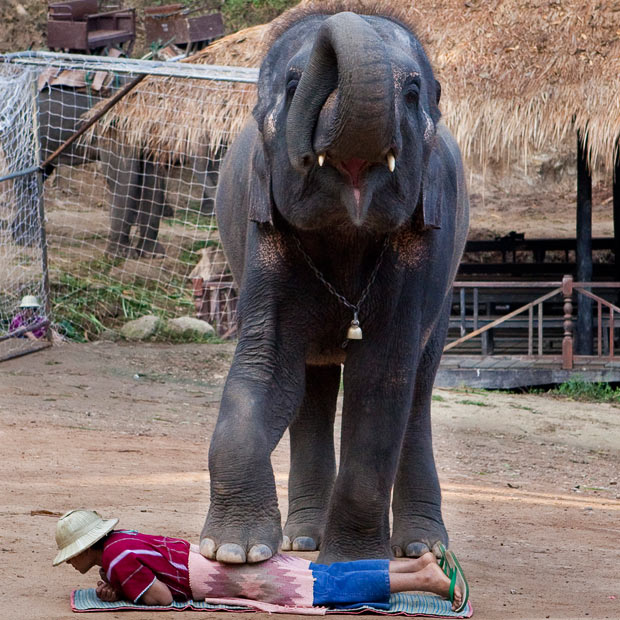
column 137, row 186
column 344, row 194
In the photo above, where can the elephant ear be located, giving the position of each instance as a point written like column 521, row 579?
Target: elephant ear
column 432, row 190
column 259, row 190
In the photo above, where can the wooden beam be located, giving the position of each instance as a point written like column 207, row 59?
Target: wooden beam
column 616, row 197
column 583, row 335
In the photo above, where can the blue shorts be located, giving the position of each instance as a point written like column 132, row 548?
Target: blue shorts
column 346, row 583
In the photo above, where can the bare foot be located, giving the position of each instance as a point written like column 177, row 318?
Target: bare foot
column 412, row 565
column 436, row 581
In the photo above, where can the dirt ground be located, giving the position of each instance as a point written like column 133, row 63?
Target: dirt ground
column 531, row 493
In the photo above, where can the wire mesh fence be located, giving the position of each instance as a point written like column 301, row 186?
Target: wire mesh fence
column 23, row 299
column 129, row 208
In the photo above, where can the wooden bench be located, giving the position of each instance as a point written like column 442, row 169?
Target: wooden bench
column 76, row 26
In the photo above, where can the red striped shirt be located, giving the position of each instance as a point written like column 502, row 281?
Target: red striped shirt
column 132, row 561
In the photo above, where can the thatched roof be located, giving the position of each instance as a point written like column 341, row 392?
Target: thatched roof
column 516, row 76
column 173, row 117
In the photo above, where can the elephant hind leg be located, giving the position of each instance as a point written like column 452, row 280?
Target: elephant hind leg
column 151, row 210
column 313, row 461
column 416, row 505
column 123, row 180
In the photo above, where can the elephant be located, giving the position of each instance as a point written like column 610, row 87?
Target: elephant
column 136, row 185
column 137, row 195
column 343, row 212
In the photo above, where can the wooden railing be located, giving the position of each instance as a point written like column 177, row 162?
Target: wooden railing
column 567, row 289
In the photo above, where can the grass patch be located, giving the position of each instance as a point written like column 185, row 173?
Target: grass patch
column 192, row 218
column 83, row 307
column 189, row 255
column 596, row 392
column 477, row 403
column 438, row 398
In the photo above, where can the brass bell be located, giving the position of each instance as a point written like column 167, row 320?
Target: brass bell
column 355, row 331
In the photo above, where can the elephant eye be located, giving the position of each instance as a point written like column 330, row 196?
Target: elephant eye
column 411, row 91
column 291, row 86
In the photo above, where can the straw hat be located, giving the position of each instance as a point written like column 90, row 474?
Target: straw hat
column 77, row 530
column 29, row 301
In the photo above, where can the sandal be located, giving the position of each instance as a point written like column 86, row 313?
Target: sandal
column 457, row 578
column 452, row 568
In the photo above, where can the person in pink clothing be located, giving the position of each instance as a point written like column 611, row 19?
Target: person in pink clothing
column 28, row 316
column 156, row 570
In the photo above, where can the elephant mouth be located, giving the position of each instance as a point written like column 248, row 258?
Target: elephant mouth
column 353, row 169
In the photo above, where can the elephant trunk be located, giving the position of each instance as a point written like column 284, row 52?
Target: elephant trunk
column 344, row 103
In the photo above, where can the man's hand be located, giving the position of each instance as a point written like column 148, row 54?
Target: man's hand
column 106, row 592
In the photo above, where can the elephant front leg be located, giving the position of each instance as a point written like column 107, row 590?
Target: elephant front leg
column 313, row 461
column 262, row 393
column 377, row 399
column 418, row 524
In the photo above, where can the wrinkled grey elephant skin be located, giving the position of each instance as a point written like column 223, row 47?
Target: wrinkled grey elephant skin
column 356, row 94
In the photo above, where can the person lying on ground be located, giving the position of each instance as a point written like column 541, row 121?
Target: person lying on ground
column 155, row 570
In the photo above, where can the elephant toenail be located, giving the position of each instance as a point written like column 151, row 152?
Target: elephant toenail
column 304, row 543
column 397, row 551
column 416, row 549
column 207, row 548
column 230, row 553
column 259, row 553
column 286, row 544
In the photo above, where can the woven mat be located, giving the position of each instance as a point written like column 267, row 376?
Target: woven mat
column 400, row 604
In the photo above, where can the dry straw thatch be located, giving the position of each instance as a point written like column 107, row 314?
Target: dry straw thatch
column 517, row 75
column 175, row 117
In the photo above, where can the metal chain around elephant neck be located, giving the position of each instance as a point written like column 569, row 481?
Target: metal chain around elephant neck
column 355, row 331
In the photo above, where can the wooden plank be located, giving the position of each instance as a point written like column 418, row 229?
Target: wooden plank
column 501, row 320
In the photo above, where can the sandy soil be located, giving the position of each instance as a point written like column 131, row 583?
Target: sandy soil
column 531, row 493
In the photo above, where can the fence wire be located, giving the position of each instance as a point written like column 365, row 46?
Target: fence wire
column 129, row 210
column 22, row 252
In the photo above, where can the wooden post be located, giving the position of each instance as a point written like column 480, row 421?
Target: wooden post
column 567, row 341
column 583, row 343
column 616, row 195
column 197, row 284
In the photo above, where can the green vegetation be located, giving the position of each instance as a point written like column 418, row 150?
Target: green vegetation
column 477, row 403
column 83, row 307
column 189, row 256
column 238, row 14
column 438, row 398
column 244, row 13
column 578, row 389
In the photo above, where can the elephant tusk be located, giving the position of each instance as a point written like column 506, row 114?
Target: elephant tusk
column 321, row 159
column 391, row 161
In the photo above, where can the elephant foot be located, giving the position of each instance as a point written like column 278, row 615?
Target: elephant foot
column 117, row 250
column 254, row 542
column 303, row 535
column 349, row 551
column 418, row 535
column 155, row 250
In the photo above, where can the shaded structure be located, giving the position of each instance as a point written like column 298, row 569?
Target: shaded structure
column 518, row 77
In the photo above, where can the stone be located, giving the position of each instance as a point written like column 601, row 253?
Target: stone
column 109, row 335
column 188, row 325
column 141, row 328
